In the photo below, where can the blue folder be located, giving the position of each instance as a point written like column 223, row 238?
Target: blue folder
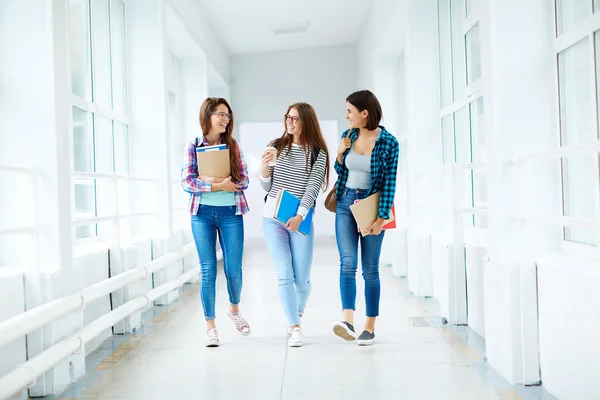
column 210, row 148
column 286, row 206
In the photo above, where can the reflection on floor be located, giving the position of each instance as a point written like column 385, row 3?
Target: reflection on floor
column 415, row 357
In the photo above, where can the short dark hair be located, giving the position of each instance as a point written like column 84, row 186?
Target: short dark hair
column 365, row 100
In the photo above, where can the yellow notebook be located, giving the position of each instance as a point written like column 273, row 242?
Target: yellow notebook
column 214, row 163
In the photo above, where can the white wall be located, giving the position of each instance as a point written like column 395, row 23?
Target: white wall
column 264, row 85
column 35, row 132
column 92, row 268
column 521, row 116
column 515, row 123
column 370, row 43
column 201, row 30
column 569, row 321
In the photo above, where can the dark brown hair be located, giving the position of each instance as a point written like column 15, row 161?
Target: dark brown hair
column 365, row 100
column 208, row 107
column 310, row 138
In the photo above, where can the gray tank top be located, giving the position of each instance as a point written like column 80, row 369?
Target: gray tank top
column 359, row 170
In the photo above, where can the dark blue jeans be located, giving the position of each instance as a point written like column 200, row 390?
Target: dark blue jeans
column 209, row 221
column 347, row 235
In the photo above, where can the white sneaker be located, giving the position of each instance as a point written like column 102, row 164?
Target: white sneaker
column 295, row 339
column 212, row 338
column 288, row 329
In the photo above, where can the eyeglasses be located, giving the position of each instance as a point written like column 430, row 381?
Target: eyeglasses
column 291, row 118
column 223, row 115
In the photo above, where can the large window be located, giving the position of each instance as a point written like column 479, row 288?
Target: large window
column 100, row 125
column 461, row 99
column 578, row 62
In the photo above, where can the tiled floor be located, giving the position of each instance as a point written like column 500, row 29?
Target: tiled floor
column 412, row 358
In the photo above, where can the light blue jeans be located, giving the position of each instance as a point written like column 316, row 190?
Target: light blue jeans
column 293, row 255
column 205, row 226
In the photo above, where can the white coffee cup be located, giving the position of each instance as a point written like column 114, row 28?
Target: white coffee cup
column 273, row 152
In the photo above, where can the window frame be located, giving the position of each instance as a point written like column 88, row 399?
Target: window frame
column 472, row 93
column 105, row 111
column 588, row 27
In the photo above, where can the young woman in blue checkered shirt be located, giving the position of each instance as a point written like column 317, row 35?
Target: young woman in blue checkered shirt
column 367, row 160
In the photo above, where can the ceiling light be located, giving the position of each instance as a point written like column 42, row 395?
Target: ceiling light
column 292, row 27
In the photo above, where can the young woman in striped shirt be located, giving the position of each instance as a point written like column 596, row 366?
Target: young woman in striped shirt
column 217, row 206
column 366, row 163
column 302, row 168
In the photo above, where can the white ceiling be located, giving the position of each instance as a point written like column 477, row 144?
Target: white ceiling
column 246, row 26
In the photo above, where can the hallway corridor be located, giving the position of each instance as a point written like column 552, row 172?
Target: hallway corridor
column 410, row 359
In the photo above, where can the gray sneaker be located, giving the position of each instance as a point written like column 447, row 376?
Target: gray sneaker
column 345, row 330
column 366, row 338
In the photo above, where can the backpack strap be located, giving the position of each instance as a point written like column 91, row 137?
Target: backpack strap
column 315, row 154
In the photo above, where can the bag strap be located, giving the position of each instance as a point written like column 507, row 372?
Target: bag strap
column 315, row 154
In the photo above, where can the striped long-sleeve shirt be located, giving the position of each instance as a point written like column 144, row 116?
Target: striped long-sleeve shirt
column 291, row 174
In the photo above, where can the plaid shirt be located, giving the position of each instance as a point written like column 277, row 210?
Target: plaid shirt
column 384, row 164
column 195, row 187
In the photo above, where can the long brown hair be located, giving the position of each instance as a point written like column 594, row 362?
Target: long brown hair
column 311, row 138
column 208, row 107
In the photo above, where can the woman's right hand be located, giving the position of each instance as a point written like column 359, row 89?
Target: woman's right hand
column 344, row 145
column 227, row 186
column 264, row 164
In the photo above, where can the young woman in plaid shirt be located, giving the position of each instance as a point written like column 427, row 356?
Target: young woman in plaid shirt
column 366, row 163
column 217, row 206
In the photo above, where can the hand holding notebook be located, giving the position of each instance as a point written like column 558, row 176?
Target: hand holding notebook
column 365, row 213
column 286, row 206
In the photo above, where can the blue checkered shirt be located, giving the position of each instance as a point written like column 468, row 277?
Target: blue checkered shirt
column 384, row 164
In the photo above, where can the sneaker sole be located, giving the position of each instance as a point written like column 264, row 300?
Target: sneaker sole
column 366, row 342
column 295, row 344
column 343, row 333
column 211, row 344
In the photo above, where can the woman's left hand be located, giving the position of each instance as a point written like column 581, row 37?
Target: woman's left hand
column 376, row 227
column 293, row 223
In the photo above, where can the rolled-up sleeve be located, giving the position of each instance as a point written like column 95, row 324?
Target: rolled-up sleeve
column 243, row 169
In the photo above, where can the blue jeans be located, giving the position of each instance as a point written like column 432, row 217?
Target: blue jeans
column 347, row 235
column 293, row 255
column 205, row 225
